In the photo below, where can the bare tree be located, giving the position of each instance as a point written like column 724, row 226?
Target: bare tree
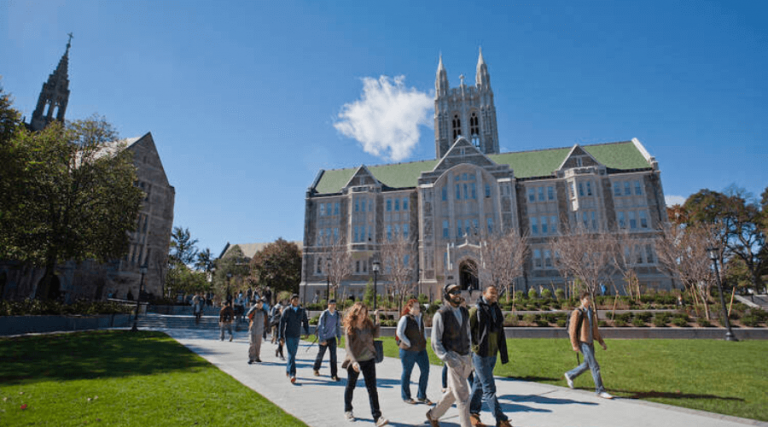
column 683, row 252
column 338, row 261
column 583, row 255
column 398, row 257
column 626, row 250
column 501, row 259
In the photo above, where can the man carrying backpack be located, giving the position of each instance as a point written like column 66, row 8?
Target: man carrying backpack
column 583, row 331
column 328, row 336
column 226, row 315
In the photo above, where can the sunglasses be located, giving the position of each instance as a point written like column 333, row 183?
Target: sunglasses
column 454, row 292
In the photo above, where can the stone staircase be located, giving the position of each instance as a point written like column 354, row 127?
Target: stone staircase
column 167, row 321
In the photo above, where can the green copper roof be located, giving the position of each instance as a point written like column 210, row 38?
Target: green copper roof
column 525, row 164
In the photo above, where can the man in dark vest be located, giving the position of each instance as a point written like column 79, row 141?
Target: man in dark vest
column 294, row 317
column 487, row 325
column 451, row 343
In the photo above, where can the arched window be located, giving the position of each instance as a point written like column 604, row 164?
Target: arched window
column 474, row 124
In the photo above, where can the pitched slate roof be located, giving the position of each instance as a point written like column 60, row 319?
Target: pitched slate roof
column 525, row 164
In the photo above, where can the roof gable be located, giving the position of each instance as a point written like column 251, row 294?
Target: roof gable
column 577, row 157
column 362, row 177
column 462, row 152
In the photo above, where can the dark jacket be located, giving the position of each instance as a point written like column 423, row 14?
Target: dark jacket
column 455, row 338
column 414, row 331
column 482, row 326
column 226, row 314
column 292, row 321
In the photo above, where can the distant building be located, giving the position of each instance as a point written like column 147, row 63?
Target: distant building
column 149, row 244
column 470, row 189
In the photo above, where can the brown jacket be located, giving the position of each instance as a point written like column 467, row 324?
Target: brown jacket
column 359, row 345
column 583, row 335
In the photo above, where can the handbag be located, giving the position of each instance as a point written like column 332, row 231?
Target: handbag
column 379, row 346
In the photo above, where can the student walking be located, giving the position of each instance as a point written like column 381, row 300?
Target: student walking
column 226, row 315
column 359, row 332
column 486, row 323
column 294, row 317
column 258, row 321
column 583, row 331
column 275, row 314
column 413, row 350
column 451, row 343
column 328, row 336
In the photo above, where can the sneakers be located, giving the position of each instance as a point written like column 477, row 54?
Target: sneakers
column 409, row 401
column 293, row 380
column 474, row 419
column 432, row 422
column 382, row 422
column 425, row 401
column 604, row 395
column 250, row 362
column 569, row 380
column 258, row 360
column 317, row 373
column 349, row 415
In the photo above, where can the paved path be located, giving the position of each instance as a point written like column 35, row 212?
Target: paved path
column 319, row 402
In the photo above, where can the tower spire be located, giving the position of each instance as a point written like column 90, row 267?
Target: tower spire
column 482, row 78
column 54, row 95
column 441, row 82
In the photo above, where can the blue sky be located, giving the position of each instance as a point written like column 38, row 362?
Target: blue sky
column 244, row 98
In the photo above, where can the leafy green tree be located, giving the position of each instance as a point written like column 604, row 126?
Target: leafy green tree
column 278, row 265
column 70, row 195
column 231, row 272
column 182, row 248
column 204, row 260
column 182, row 279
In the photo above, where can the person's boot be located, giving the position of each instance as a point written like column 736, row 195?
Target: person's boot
column 475, row 420
column 505, row 423
column 432, row 422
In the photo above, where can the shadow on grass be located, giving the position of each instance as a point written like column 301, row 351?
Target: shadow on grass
column 630, row 394
column 89, row 355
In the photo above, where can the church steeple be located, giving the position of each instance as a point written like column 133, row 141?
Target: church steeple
column 54, row 96
column 441, row 82
column 482, row 78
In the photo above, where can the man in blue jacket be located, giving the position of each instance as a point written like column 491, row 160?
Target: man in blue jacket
column 328, row 335
column 293, row 318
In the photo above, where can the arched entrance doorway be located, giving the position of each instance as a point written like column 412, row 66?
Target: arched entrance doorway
column 467, row 276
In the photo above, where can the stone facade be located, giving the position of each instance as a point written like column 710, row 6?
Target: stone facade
column 449, row 204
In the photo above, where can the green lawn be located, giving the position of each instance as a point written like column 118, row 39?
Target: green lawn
column 120, row 378
column 715, row 376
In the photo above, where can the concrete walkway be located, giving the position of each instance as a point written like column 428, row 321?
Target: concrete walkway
column 319, row 402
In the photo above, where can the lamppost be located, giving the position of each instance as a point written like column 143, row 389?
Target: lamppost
column 143, row 271
column 327, row 281
column 376, row 266
column 229, row 279
column 713, row 253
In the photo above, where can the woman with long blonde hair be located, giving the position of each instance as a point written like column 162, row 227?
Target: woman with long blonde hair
column 359, row 331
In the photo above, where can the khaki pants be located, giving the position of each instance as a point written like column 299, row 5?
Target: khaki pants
column 256, row 333
column 457, row 391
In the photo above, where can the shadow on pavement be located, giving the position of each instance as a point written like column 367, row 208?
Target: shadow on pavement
column 671, row 395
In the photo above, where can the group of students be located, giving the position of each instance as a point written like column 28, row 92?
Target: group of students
column 468, row 342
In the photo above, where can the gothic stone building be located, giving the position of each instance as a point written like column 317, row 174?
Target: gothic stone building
column 148, row 244
column 471, row 189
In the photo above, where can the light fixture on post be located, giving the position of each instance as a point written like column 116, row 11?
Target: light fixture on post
column 327, row 281
column 714, row 255
column 143, row 270
column 376, row 265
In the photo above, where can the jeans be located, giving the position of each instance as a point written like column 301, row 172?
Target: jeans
column 408, row 359
column 225, row 326
column 368, row 369
column 484, row 388
column 588, row 350
column 331, row 346
column 292, row 345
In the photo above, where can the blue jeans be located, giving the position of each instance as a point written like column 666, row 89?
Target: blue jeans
column 408, row 359
column 588, row 350
column 484, row 387
column 292, row 345
column 225, row 327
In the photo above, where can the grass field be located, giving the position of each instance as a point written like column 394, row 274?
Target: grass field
column 715, row 376
column 120, row 378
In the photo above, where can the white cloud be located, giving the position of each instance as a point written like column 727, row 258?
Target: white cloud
column 386, row 118
column 674, row 200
